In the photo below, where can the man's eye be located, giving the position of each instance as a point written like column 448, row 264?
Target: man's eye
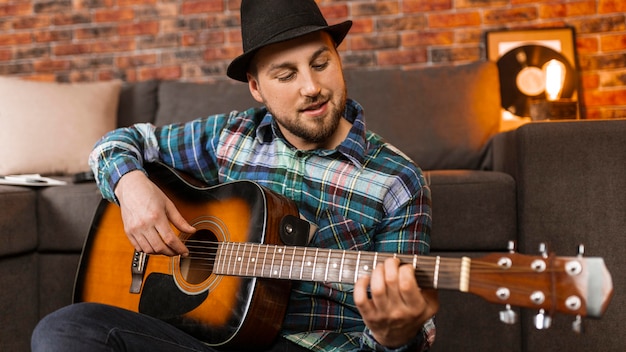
column 286, row 77
column 321, row 66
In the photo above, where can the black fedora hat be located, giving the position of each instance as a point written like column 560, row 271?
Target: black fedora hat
column 265, row 22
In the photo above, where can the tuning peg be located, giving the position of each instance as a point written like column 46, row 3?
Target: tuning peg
column 543, row 249
column 542, row 320
column 511, row 246
column 577, row 325
column 581, row 250
column 508, row 316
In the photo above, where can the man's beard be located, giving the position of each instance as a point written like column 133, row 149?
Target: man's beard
column 325, row 127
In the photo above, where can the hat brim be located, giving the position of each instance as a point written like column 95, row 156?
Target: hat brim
column 238, row 68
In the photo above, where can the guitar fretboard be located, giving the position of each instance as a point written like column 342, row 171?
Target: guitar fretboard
column 333, row 265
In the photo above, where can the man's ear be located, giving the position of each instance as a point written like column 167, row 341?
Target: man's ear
column 253, row 85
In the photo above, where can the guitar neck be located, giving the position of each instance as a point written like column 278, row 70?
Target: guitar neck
column 332, row 265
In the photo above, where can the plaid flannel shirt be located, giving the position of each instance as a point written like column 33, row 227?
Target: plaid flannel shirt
column 363, row 195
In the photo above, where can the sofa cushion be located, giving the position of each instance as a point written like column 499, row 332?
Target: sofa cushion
column 472, row 210
column 65, row 215
column 50, row 128
column 18, row 227
column 185, row 101
column 138, row 103
column 441, row 117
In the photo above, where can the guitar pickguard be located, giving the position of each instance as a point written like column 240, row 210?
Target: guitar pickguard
column 161, row 298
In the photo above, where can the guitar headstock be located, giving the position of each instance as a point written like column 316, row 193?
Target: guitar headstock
column 578, row 285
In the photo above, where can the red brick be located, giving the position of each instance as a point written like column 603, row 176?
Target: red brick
column 71, row 49
column 401, row 57
column 6, row 55
column 222, row 53
column 124, row 62
column 377, row 8
column 162, row 73
column 587, row 45
column 590, row 81
column 609, row 6
column 605, row 97
column 66, row 19
column 615, row 42
column 125, row 3
column 381, row 41
column 448, row 20
column 30, row 22
column 15, row 39
column 424, row 38
column 136, row 29
column 362, row 25
column 15, row 9
column 203, row 6
column 122, row 45
column 48, row 65
column 508, row 16
column 335, row 11
column 202, row 38
column 94, row 32
column 462, row 4
column 53, row 36
column 425, row 5
column 117, row 15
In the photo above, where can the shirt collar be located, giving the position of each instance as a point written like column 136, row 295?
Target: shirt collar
column 353, row 147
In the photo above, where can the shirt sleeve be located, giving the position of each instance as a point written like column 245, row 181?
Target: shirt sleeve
column 422, row 341
column 188, row 147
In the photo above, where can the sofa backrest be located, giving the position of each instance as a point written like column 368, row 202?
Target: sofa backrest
column 441, row 117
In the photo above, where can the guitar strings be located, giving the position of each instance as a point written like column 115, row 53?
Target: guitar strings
column 204, row 255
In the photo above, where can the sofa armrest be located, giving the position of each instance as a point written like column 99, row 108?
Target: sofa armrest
column 571, row 189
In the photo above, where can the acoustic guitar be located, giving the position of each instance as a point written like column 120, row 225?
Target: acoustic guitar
column 250, row 243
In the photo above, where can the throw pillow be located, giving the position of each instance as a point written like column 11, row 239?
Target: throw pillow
column 50, row 128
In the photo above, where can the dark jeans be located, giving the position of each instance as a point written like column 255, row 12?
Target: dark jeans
column 96, row 327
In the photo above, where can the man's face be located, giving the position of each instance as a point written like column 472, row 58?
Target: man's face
column 301, row 83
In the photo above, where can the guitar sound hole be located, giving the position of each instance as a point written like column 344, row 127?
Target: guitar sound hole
column 198, row 266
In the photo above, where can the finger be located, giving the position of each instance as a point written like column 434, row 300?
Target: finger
column 361, row 296
column 172, row 245
column 177, row 219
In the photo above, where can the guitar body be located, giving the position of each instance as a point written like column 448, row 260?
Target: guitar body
column 223, row 311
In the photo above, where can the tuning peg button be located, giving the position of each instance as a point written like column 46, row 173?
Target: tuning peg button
column 508, row 316
column 577, row 325
column 542, row 320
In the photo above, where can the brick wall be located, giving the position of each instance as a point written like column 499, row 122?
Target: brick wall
column 86, row 40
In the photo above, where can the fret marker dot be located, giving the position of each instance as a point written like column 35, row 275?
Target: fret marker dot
column 365, row 267
column 275, row 272
column 308, row 263
column 334, row 265
column 251, row 259
column 238, row 259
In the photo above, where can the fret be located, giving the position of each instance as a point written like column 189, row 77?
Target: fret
column 375, row 263
column 281, row 250
column 436, row 274
column 327, row 267
column 293, row 259
column 238, row 258
column 256, row 260
column 264, row 262
column 314, row 264
column 302, row 266
column 230, row 258
column 272, row 271
column 356, row 267
column 343, row 256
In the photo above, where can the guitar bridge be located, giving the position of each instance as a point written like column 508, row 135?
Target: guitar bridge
column 138, row 270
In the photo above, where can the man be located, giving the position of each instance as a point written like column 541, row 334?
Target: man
column 310, row 144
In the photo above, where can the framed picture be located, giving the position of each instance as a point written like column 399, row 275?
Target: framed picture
column 538, row 71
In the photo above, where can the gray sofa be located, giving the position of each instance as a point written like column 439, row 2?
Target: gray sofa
column 557, row 182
